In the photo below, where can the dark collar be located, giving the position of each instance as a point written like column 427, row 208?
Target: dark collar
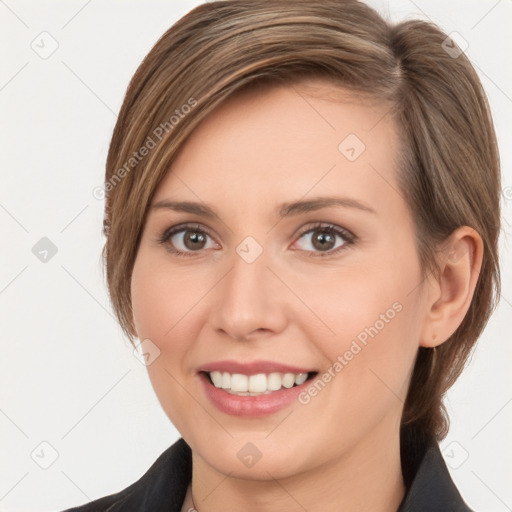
column 426, row 477
column 163, row 487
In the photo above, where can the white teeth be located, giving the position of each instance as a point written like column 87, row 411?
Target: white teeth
column 258, row 384
column 216, row 379
column 288, row 380
column 239, row 382
column 300, row 378
column 274, row 382
column 226, row 381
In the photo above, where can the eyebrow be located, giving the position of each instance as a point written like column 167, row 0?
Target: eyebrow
column 284, row 210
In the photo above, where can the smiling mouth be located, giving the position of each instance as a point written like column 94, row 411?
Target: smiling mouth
column 258, row 384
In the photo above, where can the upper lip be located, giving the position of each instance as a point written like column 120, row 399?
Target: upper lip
column 252, row 368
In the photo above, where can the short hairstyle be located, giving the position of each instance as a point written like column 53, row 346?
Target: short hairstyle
column 449, row 172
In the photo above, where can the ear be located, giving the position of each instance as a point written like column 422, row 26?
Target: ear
column 450, row 293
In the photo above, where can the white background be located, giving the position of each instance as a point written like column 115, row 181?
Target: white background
column 68, row 377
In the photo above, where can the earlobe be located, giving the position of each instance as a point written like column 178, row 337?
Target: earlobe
column 451, row 291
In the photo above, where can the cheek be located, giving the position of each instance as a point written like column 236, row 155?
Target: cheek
column 165, row 305
column 373, row 324
column 162, row 297
column 381, row 310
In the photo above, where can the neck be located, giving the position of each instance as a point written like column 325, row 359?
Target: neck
column 368, row 478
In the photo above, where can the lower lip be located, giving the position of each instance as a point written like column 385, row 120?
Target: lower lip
column 250, row 406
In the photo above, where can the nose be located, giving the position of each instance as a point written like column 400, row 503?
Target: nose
column 249, row 302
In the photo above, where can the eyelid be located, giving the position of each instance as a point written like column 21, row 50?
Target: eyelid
column 184, row 227
column 165, row 237
column 347, row 235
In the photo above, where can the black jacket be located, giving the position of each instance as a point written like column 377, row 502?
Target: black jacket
column 163, row 487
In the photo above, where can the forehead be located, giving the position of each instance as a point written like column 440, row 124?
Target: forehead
column 274, row 143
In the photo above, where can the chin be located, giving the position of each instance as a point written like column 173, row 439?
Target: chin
column 253, row 455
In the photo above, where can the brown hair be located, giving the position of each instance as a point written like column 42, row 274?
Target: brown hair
column 449, row 172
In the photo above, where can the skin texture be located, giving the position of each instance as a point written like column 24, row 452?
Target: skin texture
column 258, row 150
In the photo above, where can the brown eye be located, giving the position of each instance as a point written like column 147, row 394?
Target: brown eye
column 194, row 240
column 323, row 240
column 326, row 239
column 186, row 240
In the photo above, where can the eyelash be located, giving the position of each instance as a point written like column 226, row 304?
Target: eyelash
column 348, row 237
column 168, row 233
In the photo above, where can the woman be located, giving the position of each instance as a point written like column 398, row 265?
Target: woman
column 302, row 214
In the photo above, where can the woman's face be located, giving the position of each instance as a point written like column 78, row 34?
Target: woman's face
column 296, row 255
